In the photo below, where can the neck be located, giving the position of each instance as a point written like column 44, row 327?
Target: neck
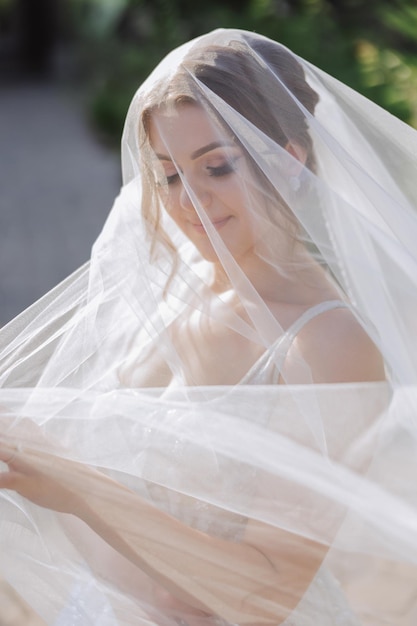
column 296, row 279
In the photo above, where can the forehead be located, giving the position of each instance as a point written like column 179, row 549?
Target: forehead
column 182, row 129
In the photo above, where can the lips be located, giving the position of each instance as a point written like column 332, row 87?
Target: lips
column 217, row 224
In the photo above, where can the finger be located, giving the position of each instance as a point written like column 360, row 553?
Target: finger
column 8, row 480
column 9, row 454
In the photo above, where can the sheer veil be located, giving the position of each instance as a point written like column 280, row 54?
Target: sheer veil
column 174, row 360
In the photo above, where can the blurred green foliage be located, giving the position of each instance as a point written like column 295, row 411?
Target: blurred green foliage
column 370, row 45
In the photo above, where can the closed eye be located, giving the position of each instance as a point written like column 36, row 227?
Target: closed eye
column 172, row 179
column 222, row 170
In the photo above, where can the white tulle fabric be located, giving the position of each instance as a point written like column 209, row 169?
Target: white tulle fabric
column 136, row 365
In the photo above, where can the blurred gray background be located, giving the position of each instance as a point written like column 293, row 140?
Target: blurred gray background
column 57, row 179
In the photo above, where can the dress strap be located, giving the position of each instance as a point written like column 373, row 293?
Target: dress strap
column 268, row 367
column 307, row 316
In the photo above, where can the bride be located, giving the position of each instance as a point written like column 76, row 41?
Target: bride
column 212, row 421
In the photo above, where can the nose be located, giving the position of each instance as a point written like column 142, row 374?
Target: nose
column 192, row 195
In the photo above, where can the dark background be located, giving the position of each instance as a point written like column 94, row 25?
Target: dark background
column 68, row 69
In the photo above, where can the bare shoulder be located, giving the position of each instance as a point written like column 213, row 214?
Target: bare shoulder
column 337, row 349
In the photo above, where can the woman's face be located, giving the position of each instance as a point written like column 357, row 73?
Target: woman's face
column 203, row 173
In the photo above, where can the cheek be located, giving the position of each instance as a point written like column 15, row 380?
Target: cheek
column 173, row 209
column 235, row 194
column 240, row 206
column 170, row 200
column 229, row 194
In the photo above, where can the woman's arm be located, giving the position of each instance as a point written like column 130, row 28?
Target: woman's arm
column 13, row 609
column 257, row 581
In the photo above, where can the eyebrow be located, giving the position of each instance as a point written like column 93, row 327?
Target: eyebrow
column 200, row 151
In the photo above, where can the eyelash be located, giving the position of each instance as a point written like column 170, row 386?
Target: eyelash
column 217, row 172
column 172, row 179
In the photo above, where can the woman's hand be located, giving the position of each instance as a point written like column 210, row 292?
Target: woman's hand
column 46, row 479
